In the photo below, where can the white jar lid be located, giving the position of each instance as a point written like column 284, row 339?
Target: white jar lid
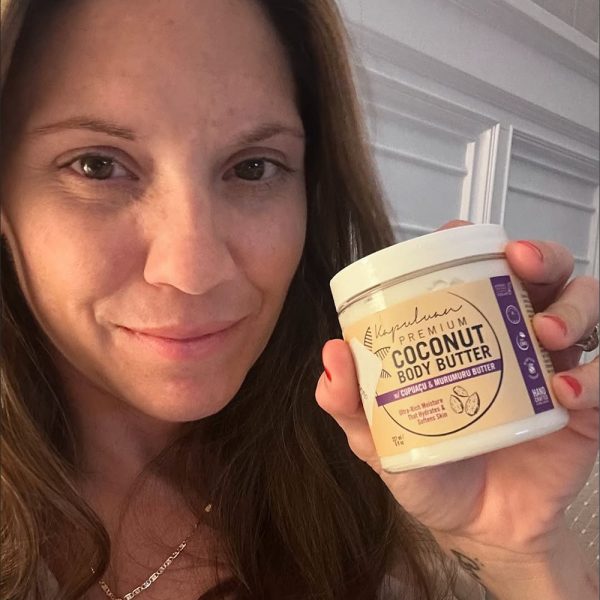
column 423, row 252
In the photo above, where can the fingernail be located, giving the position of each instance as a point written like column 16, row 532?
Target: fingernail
column 328, row 374
column 573, row 384
column 532, row 247
column 558, row 321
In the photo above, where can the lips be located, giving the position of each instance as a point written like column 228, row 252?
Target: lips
column 181, row 343
column 185, row 332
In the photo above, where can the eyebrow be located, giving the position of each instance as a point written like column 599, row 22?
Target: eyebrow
column 268, row 130
column 91, row 124
column 258, row 134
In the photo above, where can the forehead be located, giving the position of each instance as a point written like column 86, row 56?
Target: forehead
column 177, row 61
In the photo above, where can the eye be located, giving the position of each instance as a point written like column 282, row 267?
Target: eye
column 98, row 167
column 257, row 169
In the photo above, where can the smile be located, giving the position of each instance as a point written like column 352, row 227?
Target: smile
column 192, row 348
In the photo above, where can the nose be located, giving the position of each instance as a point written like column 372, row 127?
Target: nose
column 189, row 247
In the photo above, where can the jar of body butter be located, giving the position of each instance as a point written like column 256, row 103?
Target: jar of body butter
column 447, row 361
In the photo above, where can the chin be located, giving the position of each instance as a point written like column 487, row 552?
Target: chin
column 182, row 403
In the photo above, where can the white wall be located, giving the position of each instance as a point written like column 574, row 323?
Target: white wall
column 581, row 14
column 485, row 110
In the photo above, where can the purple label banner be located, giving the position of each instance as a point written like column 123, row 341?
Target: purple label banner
column 516, row 327
column 407, row 391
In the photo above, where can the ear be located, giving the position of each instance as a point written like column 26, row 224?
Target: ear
column 4, row 225
column 5, row 235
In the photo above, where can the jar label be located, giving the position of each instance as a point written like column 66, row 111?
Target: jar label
column 449, row 363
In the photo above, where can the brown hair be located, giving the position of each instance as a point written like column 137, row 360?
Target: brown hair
column 299, row 516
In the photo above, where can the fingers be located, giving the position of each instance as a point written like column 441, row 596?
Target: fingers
column 337, row 394
column 578, row 388
column 544, row 268
column 453, row 224
column 571, row 317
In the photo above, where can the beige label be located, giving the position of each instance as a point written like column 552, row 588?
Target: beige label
column 449, row 363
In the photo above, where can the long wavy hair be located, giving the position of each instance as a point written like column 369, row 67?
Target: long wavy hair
column 297, row 514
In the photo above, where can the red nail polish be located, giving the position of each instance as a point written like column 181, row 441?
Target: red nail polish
column 328, row 374
column 573, row 384
column 558, row 321
column 532, row 247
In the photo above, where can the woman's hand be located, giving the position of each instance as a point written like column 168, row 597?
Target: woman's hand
column 512, row 500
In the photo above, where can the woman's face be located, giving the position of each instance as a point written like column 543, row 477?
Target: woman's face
column 154, row 179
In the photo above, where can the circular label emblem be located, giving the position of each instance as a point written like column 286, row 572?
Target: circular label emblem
column 448, row 364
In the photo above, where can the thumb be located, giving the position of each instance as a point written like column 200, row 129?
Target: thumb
column 337, row 394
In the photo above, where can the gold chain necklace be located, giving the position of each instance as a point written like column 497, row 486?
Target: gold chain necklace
column 156, row 574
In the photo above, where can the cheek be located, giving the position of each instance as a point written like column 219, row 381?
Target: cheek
column 64, row 259
column 270, row 250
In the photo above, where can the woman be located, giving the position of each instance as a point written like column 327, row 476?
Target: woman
column 196, row 170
